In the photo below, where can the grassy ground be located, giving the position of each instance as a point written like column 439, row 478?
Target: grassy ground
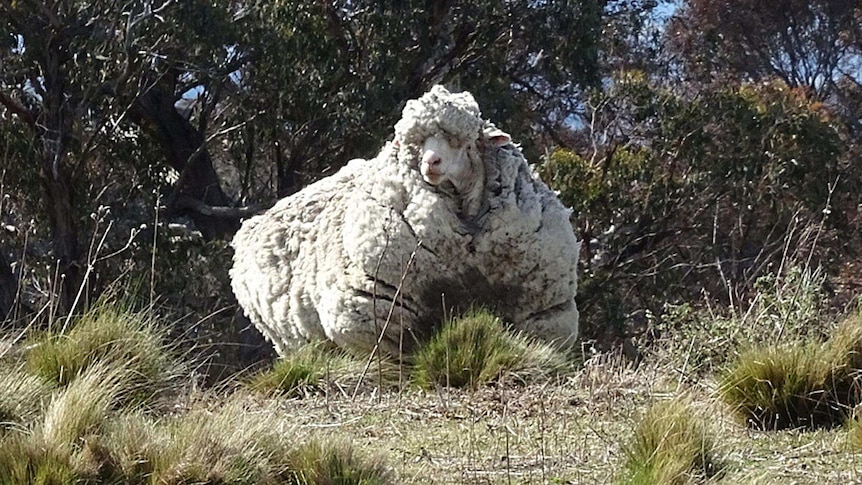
column 571, row 430
column 108, row 401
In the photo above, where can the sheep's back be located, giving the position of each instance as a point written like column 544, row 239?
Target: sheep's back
column 527, row 241
column 279, row 254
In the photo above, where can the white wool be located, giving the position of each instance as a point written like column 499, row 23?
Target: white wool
column 331, row 262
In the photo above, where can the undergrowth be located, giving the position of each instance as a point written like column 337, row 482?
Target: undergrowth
column 786, row 307
column 110, row 334
column 78, row 407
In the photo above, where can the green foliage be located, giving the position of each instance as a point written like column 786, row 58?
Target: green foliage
column 811, row 384
column 674, row 195
column 476, row 349
column 108, row 334
column 671, row 445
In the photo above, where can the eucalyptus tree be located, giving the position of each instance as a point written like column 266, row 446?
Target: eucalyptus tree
column 811, row 44
column 328, row 79
column 195, row 107
column 78, row 80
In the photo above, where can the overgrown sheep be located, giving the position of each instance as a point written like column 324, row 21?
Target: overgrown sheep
column 447, row 216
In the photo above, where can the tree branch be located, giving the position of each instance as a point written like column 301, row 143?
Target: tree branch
column 17, row 108
column 190, row 203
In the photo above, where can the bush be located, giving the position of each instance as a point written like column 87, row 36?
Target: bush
column 670, row 446
column 476, row 349
column 677, row 196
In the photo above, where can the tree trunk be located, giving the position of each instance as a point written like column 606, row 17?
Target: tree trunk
column 55, row 129
column 8, row 288
column 64, row 240
column 183, row 147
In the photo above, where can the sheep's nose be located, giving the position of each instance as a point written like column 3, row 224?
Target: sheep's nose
column 431, row 159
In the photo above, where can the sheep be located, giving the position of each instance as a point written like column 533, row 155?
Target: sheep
column 448, row 215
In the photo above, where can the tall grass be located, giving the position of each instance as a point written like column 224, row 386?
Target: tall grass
column 21, row 394
column 670, row 445
column 809, row 384
column 70, row 419
column 790, row 306
column 48, row 448
column 476, row 349
column 335, row 461
column 109, row 333
column 241, row 441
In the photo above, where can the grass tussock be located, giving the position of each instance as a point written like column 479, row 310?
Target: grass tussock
column 237, row 442
column 807, row 385
column 21, row 395
column 670, row 446
column 854, row 434
column 48, row 449
column 81, row 407
column 336, row 461
column 112, row 334
column 22, row 460
column 311, row 367
column 476, row 349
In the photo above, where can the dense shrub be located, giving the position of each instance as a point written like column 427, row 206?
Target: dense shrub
column 678, row 197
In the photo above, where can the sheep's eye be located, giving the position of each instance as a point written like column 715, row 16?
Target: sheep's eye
column 454, row 142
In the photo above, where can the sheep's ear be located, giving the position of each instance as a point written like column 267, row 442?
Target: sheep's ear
column 500, row 140
column 497, row 136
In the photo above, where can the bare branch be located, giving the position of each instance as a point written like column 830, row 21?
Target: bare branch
column 17, row 108
column 186, row 202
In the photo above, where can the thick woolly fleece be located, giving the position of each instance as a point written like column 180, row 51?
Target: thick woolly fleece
column 374, row 250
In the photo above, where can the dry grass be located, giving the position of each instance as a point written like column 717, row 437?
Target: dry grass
column 21, row 394
column 529, row 422
column 572, row 429
column 316, row 368
column 109, row 333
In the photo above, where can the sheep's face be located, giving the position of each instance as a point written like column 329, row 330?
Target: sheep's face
column 444, row 159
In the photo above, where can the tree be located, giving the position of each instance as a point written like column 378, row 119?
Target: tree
column 676, row 196
column 805, row 44
column 280, row 93
column 326, row 80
